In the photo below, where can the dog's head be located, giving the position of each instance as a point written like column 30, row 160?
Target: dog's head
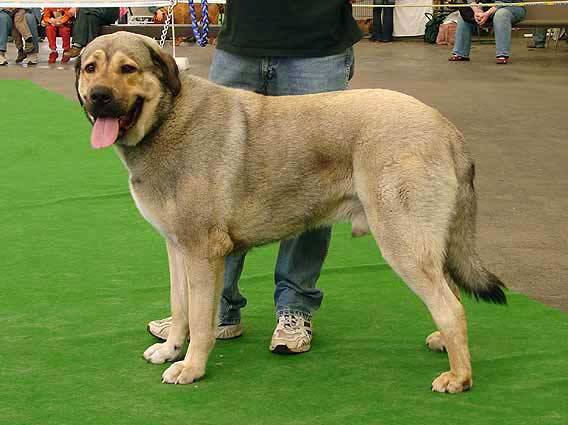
column 126, row 85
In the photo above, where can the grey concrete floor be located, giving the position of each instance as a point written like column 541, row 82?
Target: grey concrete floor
column 515, row 120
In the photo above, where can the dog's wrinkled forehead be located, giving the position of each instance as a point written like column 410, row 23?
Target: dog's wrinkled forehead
column 137, row 47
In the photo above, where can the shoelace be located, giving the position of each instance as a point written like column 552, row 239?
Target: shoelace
column 288, row 321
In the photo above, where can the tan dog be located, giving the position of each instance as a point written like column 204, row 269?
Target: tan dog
column 278, row 166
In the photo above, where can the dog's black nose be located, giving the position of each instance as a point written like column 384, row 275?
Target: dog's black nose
column 101, row 96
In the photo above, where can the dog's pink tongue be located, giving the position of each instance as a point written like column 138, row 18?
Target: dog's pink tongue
column 105, row 132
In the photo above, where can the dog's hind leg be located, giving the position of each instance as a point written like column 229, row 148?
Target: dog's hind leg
column 412, row 240
column 435, row 341
column 171, row 349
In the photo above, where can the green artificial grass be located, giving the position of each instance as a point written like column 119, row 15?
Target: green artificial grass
column 81, row 274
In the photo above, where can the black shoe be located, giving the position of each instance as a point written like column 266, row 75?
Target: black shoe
column 533, row 45
column 21, row 56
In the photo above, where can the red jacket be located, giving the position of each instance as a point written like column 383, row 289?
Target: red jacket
column 49, row 12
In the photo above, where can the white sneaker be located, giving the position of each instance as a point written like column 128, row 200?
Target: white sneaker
column 293, row 334
column 33, row 59
column 161, row 328
column 3, row 60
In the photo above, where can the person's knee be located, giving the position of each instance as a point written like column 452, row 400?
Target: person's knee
column 31, row 21
column 502, row 18
column 4, row 19
column 5, row 23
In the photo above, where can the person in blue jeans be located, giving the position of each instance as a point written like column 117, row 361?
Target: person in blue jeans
column 503, row 19
column 383, row 21
column 278, row 49
column 5, row 31
column 29, row 33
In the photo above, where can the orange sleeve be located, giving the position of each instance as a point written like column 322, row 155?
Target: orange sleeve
column 46, row 14
column 65, row 18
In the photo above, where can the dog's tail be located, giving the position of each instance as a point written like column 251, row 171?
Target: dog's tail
column 462, row 261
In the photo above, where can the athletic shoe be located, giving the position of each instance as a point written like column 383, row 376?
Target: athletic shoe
column 161, row 328
column 293, row 335
column 3, row 60
column 33, row 59
column 52, row 57
column 21, row 56
column 65, row 59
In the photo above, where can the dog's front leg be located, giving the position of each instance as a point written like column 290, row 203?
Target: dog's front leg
column 205, row 279
column 171, row 349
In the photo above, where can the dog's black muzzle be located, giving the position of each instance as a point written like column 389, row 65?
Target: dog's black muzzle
column 102, row 103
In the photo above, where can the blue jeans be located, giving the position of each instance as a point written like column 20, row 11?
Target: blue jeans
column 5, row 30
column 383, row 21
column 33, row 22
column 300, row 260
column 539, row 37
column 503, row 21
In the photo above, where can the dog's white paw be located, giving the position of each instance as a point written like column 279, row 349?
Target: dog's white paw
column 448, row 382
column 435, row 341
column 178, row 373
column 162, row 353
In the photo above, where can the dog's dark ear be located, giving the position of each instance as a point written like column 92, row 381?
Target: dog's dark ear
column 169, row 69
column 77, row 74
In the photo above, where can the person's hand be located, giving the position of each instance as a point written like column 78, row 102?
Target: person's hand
column 482, row 18
column 57, row 22
column 52, row 21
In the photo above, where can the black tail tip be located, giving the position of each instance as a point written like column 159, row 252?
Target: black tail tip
column 493, row 291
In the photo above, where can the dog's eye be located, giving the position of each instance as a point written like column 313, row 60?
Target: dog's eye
column 90, row 68
column 128, row 69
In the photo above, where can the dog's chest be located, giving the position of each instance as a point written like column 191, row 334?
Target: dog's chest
column 155, row 211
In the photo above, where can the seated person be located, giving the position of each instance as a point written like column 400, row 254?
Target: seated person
column 21, row 24
column 503, row 19
column 57, row 21
column 87, row 26
column 5, row 31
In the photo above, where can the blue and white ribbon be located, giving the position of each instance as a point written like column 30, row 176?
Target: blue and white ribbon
column 200, row 34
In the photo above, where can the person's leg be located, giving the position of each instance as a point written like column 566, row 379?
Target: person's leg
column 51, row 33
column 21, row 24
column 107, row 15
column 388, row 23
column 502, row 25
column 65, row 34
column 18, row 42
column 539, row 38
column 21, row 31
column 377, row 21
column 87, row 26
column 5, row 31
column 80, row 28
column 300, row 259
column 33, row 23
column 244, row 73
column 462, row 44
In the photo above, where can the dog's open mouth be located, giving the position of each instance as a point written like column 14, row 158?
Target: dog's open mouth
column 107, row 130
